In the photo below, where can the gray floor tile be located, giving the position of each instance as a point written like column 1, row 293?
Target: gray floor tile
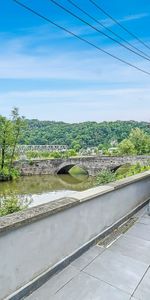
column 147, row 210
column 144, row 220
column 140, row 230
column 85, row 287
column 112, row 274
column 54, row 284
column 141, row 212
column 136, row 248
column 87, row 257
column 146, row 216
column 118, row 270
column 143, row 290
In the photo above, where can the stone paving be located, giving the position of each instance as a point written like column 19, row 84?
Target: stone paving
column 119, row 272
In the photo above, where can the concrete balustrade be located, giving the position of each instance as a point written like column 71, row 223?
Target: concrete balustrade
column 36, row 243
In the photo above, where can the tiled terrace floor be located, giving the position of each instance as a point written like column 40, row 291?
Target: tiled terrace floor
column 119, row 272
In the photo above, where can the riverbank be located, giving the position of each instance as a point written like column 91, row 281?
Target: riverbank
column 4, row 178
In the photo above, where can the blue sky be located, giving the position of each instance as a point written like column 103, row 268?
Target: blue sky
column 50, row 75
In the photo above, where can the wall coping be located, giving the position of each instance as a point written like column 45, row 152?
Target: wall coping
column 129, row 180
column 30, row 215
column 100, row 190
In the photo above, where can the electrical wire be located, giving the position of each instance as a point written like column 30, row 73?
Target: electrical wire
column 79, row 37
column 96, row 29
column 119, row 24
column 105, row 27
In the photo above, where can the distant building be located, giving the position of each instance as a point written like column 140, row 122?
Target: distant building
column 89, row 151
column 112, row 149
column 114, row 143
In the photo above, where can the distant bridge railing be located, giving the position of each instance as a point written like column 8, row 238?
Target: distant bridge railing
column 25, row 148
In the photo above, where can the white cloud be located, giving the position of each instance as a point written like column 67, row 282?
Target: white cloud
column 134, row 17
column 125, row 92
column 23, row 57
column 142, row 93
column 73, row 105
column 70, row 65
column 108, row 22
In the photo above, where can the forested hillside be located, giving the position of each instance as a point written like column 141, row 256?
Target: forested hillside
column 78, row 135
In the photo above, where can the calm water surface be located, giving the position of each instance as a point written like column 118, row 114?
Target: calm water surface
column 46, row 188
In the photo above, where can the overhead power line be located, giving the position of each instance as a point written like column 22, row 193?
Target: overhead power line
column 96, row 29
column 80, row 38
column 119, row 24
column 108, row 29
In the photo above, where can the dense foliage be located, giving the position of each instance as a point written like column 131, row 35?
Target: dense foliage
column 13, row 203
column 127, row 170
column 79, row 135
column 137, row 143
column 50, row 155
column 105, row 176
column 10, row 133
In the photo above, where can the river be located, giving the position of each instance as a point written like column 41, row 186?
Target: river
column 45, row 188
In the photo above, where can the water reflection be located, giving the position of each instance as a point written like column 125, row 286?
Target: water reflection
column 46, row 188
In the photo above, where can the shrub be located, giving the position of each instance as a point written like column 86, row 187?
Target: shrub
column 14, row 173
column 11, row 174
column 31, row 162
column 105, row 176
column 124, row 172
column 56, row 154
column 13, row 203
column 4, row 172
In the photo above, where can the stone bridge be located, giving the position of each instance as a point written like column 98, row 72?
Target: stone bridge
column 91, row 164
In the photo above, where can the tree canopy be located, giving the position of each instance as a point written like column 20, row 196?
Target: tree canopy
column 10, row 132
column 79, row 135
column 137, row 143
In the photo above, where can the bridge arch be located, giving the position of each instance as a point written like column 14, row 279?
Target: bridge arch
column 66, row 167
column 123, row 166
column 115, row 168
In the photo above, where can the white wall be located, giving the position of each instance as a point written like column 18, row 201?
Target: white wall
column 29, row 250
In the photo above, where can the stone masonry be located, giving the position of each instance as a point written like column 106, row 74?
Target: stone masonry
column 91, row 164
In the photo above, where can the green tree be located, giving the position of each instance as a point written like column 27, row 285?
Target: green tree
column 10, row 130
column 140, row 140
column 100, row 146
column 56, row 154
column 126, row 147
column 17, row 124
column 76, row 146
column 79, row 135
column 6, row 139
column 70, row 153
